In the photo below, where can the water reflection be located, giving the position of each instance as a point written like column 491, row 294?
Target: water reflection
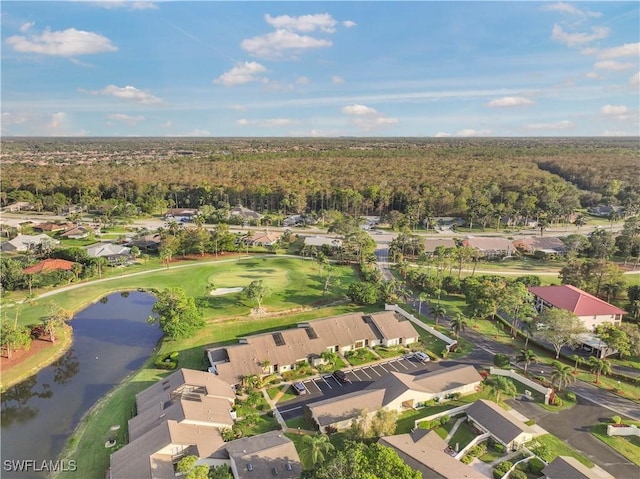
column 15, row 401
column 110, row 339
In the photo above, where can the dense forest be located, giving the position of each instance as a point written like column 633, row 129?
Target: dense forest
column 421, row 178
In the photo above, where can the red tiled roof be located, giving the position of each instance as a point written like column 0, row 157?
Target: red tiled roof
column 49, row 265
column 575, row 300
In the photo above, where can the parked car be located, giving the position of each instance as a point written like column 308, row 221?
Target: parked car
column 422, row 357
column 299, row 388
column 341, row 376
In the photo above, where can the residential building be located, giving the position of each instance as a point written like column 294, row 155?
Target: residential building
column 19, row 206
column 114, row 253
column 245, row 213
column 266, row 455
column 77, row 232
column 150, row 242
column 592, row 311
column 396, row 392
column 181, row 214
column 49, row 265
column 51, row 227
column 567, row 467
column 320, row 241
column 182, row 416
column 23, row 243
column 490, row 247
column 428, row 453
column 262, row 239
column 502, row 425
column 430, row 244
column 548, row 245
column 280, row 351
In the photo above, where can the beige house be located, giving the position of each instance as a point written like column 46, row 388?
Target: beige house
column 592, row 311
column 503, row 426
column 428, row 453
column 279, row 352
column 490, row 247
column 266, row 455
column 395, row 392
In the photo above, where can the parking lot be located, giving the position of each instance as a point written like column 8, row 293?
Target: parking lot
column 327, row 386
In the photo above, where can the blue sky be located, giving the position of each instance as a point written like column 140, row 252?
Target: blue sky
column 305, row 69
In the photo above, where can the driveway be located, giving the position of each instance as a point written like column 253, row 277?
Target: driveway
column 572, row 425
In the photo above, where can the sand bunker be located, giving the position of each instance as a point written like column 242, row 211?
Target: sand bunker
column 222, row 291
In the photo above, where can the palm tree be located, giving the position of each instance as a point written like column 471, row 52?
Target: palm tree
column 561, row 375
column 599, row 367
column 527, row 328
column 314, row 449
column 458, row 324
column 422, row 297
column 329, row 357
column 575, row 358
column 439, row 311
column 55, row 317
column 500, row 385
column 526, row 356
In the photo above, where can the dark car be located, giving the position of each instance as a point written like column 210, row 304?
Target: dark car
column 341, row 376
column 299, row 388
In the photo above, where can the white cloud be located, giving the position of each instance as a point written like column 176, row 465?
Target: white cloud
column 635, row 80
column 358, row 110
column 25, row 27
column 125, row 4
column 593, row 75
column 617, row 112
column 167, row 124
column 66, row 43
column 268, row 123
column 196, row 132
column 572, row 10
column 303, row 80
column 242, row 73
column 349, row 23
column 578, row 39
column 612, row 65
column 280, row 43
column 509, row 101
column 337, row 80
column 467, row 132
column 304, row 23
column 617, row 133
column 126, row 119
column 613, row 110
column 626, row 50
column 40, row 124
column 441, row 134
column 129, row 93
column 238, row 107
column 560, row 125
column 367, row 118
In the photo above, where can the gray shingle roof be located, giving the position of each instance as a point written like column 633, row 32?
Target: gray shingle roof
column 565, row 467
column 499, row 422
column 257, row 457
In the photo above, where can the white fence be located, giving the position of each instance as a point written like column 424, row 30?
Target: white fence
column 623, row 431
column 449, row 412
column 526, row 381
column 394, row 307
column 473, row 442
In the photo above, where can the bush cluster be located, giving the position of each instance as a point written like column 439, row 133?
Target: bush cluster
column 168, row 361
column 501, row 469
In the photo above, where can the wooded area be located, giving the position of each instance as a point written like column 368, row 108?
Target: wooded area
column 422, row 178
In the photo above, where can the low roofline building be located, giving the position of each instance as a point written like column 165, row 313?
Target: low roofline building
column 567, row 467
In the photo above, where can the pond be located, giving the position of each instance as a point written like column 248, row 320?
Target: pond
column 111, row 339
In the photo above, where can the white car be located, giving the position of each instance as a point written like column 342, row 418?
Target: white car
column 422, row 357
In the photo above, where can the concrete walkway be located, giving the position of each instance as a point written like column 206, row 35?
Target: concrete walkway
column 454, row 429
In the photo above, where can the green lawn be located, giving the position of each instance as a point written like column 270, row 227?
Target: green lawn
column 628, row 446
column 300, row 422
column 548, row 447
column 390, row 352
column 463, row 436
column 360, row 356
column 297, row 288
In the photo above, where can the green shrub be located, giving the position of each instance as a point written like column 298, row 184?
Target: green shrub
column 571, row 397
column 518, row 474
column 530, row 422
column 501, row 469
column 174, row 355
column 536, row 466
column 444, row 420
column 616, row 419
column 499, row 447
column 432, row 355
column 557, row 401
column 466, row 459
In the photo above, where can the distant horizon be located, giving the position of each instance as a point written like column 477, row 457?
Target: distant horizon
column 425, row 69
